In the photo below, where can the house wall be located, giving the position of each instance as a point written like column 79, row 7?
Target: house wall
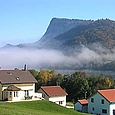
column 0, row 91
column 44, row 95
column 38, row 95
column 10, row 96
column 21, row 94
column 81, row 108
column 29, row 87
column 57, row 99
column 78, row 107
column 85, row 108
column 97, row 106
column 112, row 107
column 61, row 100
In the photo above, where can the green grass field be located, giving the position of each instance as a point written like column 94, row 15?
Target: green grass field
column 35, row 108
column 69, row 104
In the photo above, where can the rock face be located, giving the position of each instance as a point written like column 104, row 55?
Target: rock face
column 59, row 26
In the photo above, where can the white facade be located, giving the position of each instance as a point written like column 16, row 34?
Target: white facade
column 27, row 90
column 61, row 100
column 38, row 95
column 112, row 109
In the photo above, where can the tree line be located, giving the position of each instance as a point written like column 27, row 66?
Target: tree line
column 78, row 85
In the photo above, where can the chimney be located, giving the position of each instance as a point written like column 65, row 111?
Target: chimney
column 25, row 67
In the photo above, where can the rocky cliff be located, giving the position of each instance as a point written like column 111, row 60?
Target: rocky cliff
column 59, row 26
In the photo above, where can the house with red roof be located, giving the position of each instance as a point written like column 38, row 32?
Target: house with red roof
column 81, row 106
column 102, row 102
column 16, row 85
column 54, row 93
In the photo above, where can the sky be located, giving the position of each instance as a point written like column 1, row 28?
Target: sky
column 25, row 21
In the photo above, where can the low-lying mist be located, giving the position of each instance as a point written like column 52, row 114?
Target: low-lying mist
column 51, row 59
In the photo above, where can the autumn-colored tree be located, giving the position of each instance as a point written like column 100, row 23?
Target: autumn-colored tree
column 107, row 83
column 97, row 82
column 44, row 76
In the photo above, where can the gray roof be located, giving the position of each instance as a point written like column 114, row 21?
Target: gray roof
column 12, row 88
column 16, row 76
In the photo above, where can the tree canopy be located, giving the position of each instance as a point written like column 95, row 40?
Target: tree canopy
column 78, row 85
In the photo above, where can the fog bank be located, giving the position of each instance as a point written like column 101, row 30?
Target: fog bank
column 43, row 58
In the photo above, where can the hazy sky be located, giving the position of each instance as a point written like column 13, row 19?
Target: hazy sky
column 25, row 21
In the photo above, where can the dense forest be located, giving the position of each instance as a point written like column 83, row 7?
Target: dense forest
column 78, row 85
column 100, row 31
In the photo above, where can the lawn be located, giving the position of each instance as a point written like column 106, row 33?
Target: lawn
column 69, row 104
column 35, row 108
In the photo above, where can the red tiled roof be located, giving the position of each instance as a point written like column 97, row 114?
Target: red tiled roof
column 16, row 76
column 108, row 94
column 83, row 102
column 53, row 90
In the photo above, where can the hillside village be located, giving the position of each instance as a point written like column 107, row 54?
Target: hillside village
column 19, row 85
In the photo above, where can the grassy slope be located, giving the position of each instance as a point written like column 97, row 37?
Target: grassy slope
column 35, row 108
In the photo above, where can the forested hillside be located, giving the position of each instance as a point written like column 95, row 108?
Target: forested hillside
column 99, row 32
column 97, row 36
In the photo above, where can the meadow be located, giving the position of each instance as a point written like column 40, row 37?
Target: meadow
column 35, row 108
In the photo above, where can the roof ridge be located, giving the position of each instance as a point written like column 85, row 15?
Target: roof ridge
column 108, row 94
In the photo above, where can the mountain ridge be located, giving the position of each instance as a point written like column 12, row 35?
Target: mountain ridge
column 98, row 31
column 98, row 36
column 59, row 26
column 90, row 43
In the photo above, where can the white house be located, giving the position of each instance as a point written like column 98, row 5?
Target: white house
column 81, row 106
column 54, row 93
column 16, row 85
column 102, row 102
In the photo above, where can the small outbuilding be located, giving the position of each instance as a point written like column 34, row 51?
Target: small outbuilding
column 81, row 106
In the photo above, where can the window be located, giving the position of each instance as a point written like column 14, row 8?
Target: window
column 10, row 94
column 9, row 73
column 104, row 110
column 60, row 102
column 93, row 108
column 43, row 95
column 17, row 78
column 113, row 111
column 102, row 101
column 6, row 94
column 15, row 94
column 26, row 93
column 92, row 100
